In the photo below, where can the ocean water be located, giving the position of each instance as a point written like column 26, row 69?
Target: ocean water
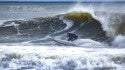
column 33, row 36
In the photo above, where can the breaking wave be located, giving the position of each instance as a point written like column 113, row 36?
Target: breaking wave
column 96, row 26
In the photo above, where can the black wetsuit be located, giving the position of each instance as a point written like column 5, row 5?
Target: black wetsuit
column 71, row 36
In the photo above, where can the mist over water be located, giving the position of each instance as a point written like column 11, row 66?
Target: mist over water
column 40, row 30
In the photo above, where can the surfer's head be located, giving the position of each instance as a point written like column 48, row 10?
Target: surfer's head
column 71, row 36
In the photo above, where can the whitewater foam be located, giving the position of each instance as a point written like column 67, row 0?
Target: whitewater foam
column 119, row 41
column 111, row 18
column 87, row 43
column 111, row 22
column 61, row 58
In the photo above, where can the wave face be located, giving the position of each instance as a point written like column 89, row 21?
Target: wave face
column 52, row 28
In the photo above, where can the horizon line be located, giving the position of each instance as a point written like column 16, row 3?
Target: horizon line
column 59, row 1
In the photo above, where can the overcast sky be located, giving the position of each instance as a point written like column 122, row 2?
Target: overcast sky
column 63, row 0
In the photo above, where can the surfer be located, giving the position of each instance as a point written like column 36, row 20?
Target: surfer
column 71, row 36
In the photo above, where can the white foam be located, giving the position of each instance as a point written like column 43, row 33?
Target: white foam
column 2, row 22
column 68, row 23
column 87, row 43
column 119, row 41
column 60, row 58
column 110, row 22
column 11, row 24
column 81, row 8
